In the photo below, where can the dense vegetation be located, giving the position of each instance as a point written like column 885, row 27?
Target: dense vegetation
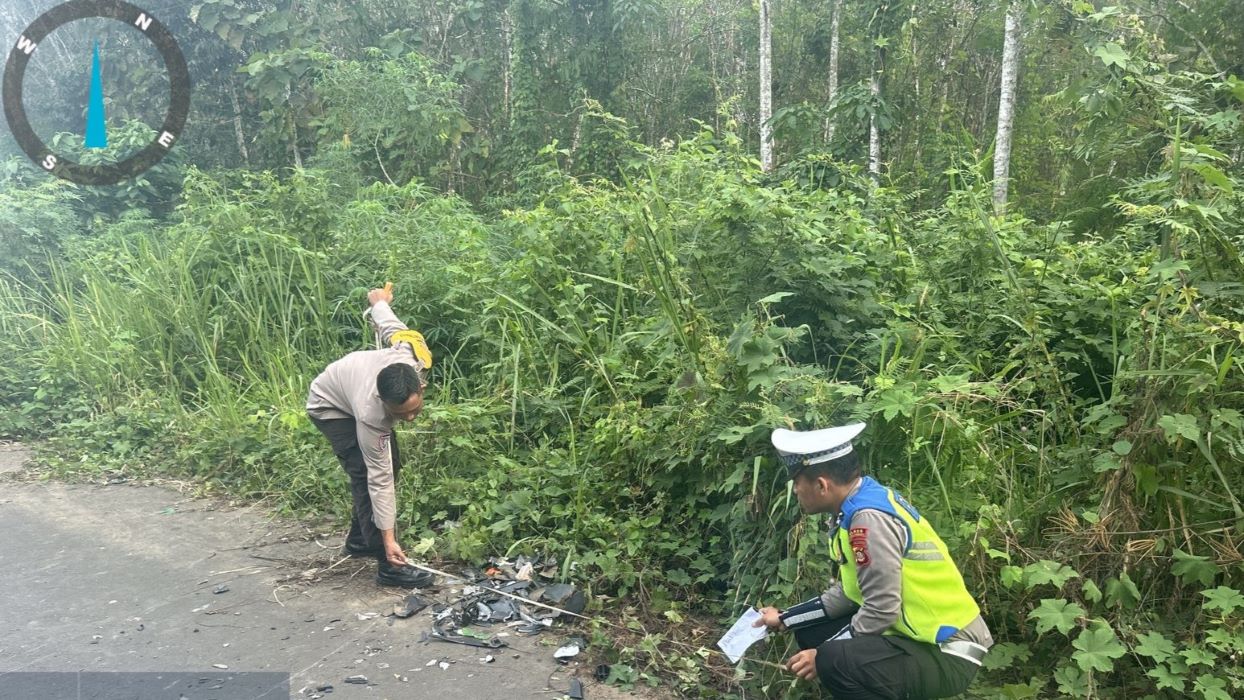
column 623, row 303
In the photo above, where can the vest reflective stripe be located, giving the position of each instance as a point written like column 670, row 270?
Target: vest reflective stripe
column 935, row 601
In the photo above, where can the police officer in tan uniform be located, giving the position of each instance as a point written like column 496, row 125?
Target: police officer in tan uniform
column 355, row 402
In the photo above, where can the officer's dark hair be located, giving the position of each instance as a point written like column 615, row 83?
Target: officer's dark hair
column 841, row 471
column 397, row 382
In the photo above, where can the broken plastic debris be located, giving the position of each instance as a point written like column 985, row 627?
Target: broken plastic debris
column 576, row 689
column 431, row 663
column 487, row 659
column 502, row 610
column 357, row 680
column 220, row 666
column 367, row 616
column 444, row 666
column 565, row 596
column 410, row 606
column 222, row 588
column 568, row 651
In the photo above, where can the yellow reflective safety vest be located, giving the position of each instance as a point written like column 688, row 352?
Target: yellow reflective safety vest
column 935, row 601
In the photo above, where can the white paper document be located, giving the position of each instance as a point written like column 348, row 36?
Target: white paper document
column 742, row 635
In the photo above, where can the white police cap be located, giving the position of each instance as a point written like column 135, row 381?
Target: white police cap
column 798, row 449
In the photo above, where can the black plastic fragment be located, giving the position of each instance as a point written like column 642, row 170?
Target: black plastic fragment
column 410, row 606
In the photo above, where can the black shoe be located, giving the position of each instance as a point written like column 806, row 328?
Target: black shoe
column 354, row 550
column 402, row 576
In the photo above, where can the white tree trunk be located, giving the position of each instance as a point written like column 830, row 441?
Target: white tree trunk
column 834, row 24
column 874, row 135
column 293, row 128
column 507, row 31
column 237, row 123
column 1006, row 108
column 766, row 89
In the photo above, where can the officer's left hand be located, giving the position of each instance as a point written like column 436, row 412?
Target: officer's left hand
column 803, row 664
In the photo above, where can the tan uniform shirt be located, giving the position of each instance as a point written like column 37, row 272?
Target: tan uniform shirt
column 347, row 389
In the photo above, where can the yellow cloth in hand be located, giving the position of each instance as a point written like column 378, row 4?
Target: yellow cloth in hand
column 417, row 343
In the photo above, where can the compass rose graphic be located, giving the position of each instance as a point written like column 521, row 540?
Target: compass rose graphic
column 96, row 134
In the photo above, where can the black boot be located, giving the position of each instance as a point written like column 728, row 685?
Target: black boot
column 356, row 549
column 402, row 576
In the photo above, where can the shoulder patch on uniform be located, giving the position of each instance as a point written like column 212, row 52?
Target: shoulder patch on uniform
column 383, row 443
column 859, row 545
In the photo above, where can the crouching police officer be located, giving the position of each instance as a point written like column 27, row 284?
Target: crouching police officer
column 899, row 622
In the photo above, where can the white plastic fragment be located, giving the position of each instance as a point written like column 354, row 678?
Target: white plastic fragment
column 567, row 652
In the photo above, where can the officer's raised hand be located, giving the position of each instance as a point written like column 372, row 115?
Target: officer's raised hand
column 769, row 617
column 803, row 664
column 385, row 295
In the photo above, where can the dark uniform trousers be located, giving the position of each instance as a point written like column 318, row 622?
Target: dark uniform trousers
column 342, row 435
column 883, row 667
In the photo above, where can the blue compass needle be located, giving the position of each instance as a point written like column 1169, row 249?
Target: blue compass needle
column 96, row 131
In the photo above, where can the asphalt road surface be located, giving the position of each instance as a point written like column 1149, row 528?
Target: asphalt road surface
column 106, row 590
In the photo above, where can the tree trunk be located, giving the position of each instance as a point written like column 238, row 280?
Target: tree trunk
column 237, row 123
column 293, row 128
column 766, row 89
column 507, row 29
column 874, row 134
column 1006, row 108
column 834, row 25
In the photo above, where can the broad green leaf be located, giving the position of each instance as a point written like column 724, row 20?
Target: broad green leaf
column 1223, row 641
column 1072, row 681
column 1056, row 613
column 1197, row 656
column 1155, row 646
column 1166, row 678
column 1046, row 571
column 1098, row 648
column 1191, row 567
column 1213, row 176
column 1112, row 54
column 1090, row 591
column 899, row 400
column 1004, row 655
column 1122, row 447
column 1022, row 691
column 1105, row 462
column 1011, row 575
column 1179, row 425
column 1211, row 687
column 1210, row 151
column 1224, row 599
